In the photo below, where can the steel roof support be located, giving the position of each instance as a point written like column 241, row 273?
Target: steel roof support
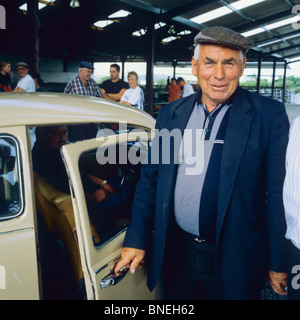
column 34, row 42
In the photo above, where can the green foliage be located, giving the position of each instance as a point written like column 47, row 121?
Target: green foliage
column 290, row 83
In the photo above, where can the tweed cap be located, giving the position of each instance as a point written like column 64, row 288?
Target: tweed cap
column 224, row 36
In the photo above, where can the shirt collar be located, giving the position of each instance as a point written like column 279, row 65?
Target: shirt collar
column 219, row 106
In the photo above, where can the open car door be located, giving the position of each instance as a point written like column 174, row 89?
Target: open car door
column 114, row 163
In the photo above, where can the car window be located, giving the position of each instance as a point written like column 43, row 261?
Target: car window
column 109, row 179
column 11, row 199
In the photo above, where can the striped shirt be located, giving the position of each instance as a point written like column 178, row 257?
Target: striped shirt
column 195, row 197
column 76, row 86
column 291, row 188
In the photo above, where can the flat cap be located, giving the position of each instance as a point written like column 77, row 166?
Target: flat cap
column 224, row 36
column 23, row 64
column 86, row 64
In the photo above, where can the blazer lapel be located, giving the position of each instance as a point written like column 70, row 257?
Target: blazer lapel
column 239, row 125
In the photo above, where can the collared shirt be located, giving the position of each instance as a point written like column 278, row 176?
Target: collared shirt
column 291, row 188
column 26, row 83
column 76, row 86
column 196, row 193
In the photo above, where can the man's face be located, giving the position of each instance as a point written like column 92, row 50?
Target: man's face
column 85, row 74
column 173, row 83
column 22, row 71
column 114, row 74
column 218, row 70
column 132, row 81
column 56, row 137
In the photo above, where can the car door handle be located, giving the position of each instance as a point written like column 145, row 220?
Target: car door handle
column 111, row 279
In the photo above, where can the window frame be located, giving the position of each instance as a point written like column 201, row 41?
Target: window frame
column 21, row 184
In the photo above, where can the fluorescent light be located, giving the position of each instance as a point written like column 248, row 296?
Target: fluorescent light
column 40, row 6
column 159, row 25
column 253, row 32
column 295, row 59
column 139, row 33
column 120, row 14
column 271, row 26
column 211, row 15
column 242, row 4
column 169, row 39
column 217, row 13
column 283, row 22
column 268, row 43
column 183, row 33
column 103, row 23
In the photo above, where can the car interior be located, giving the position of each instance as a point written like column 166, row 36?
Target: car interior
column 62, row 273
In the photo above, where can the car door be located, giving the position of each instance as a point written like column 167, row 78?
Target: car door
column 109, row 219
column 19, row 277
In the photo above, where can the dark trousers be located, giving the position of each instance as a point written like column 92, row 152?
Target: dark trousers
column 294, row 274
column 192, row 276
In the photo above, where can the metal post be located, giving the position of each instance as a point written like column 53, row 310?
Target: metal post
column 273, row 79
column 258, row 75
column 150, row 67
column 34, row 40
column 283, row 84
column 174, row 64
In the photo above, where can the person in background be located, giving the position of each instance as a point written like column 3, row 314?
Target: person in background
column 114, row 88
column 187, row 89
column 83, row 84
column 174, row 90
column 134, row 96
column 291, row 200
column 5, row 80
column 39, row 83
column 26, row 83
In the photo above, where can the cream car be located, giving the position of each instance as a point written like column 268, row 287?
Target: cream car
column 54, row 244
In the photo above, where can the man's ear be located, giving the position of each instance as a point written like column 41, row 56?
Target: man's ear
column 243, row 66
column 194, row 67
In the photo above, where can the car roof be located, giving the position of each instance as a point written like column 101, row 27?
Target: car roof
column 54, row 108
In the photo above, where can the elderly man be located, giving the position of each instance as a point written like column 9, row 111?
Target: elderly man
column 26, row 83
column 83, row 84
column 217, row 234
column 114, row 88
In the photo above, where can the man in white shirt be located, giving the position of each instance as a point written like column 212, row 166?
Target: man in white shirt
column 187, row 89
column 26, row 83
column 291, row 200
column 133, row 96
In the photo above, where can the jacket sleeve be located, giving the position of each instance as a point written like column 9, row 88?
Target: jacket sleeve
column 275, row 166
column 139, row 231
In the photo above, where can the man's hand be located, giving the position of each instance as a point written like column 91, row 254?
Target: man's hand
column 131, row 258
column 278, row 281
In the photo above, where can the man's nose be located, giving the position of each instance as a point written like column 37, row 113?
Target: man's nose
column 219, row 72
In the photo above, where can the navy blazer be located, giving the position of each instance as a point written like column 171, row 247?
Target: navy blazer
column 250, row 217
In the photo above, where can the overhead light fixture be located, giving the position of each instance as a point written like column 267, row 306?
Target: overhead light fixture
column 74, row 4
column 184, row 32
column 159, row 25
column 119, row 14
column 168, row 39
column 42, row 4
column 222, row 11
column 139, row 33
column 271, row 26
column 103, row 23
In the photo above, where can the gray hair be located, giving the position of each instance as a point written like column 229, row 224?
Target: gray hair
column 197, row 53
